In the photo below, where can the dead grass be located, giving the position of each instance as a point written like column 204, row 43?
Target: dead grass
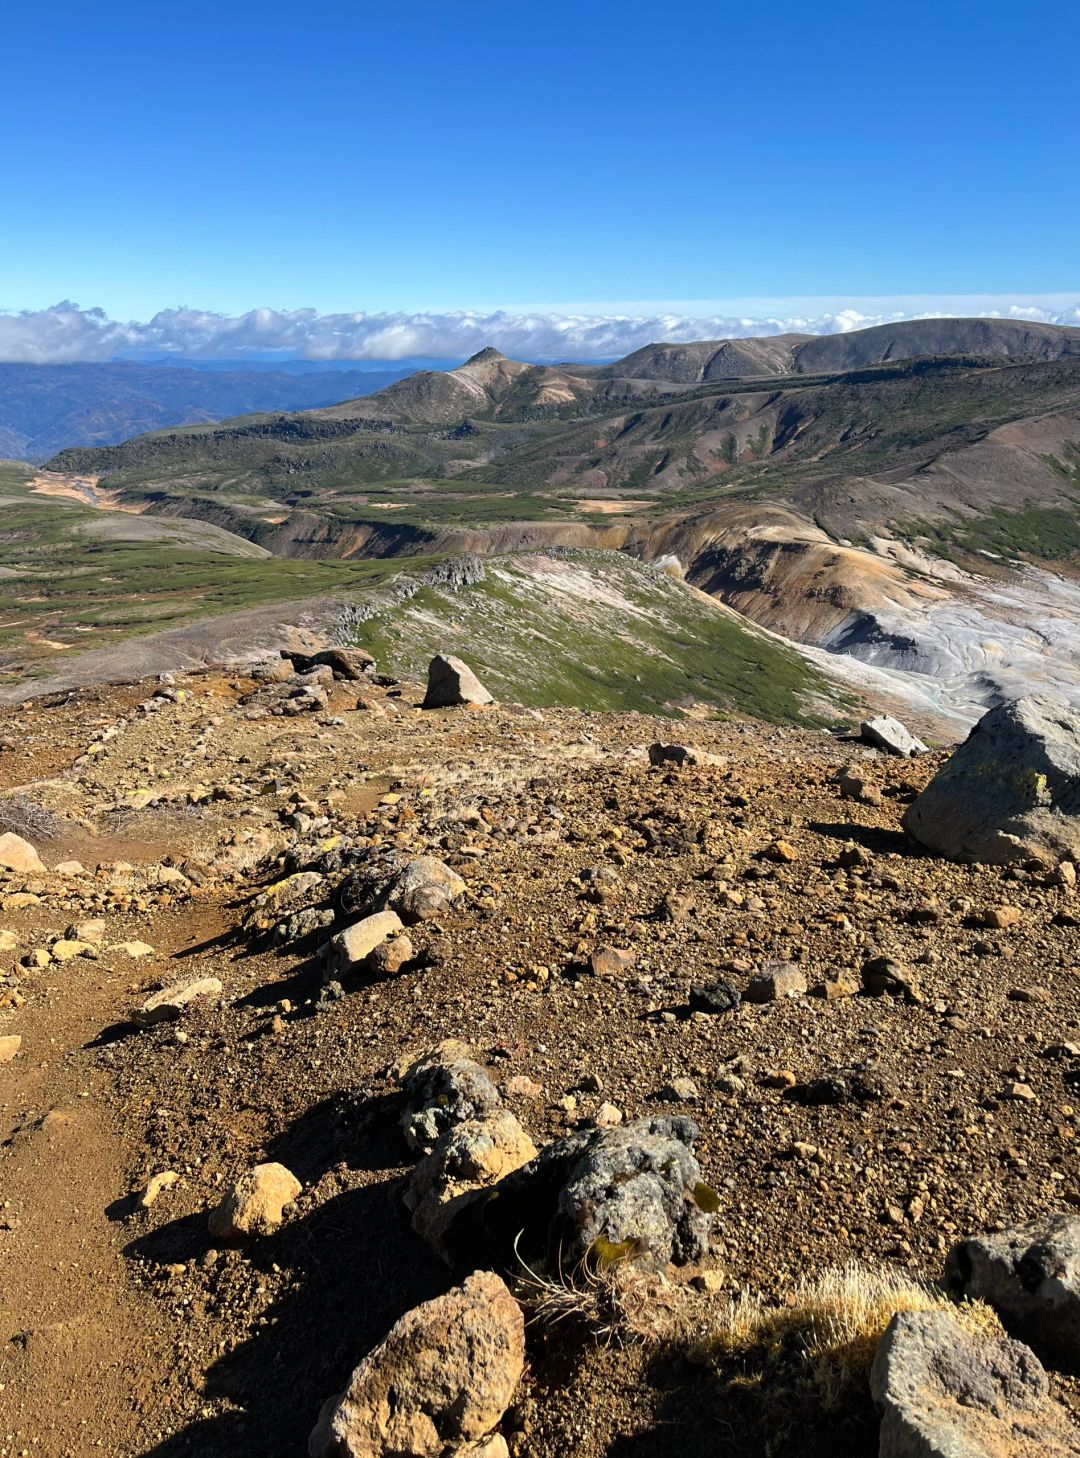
column 830, row 1327
column 618, row 1303
column 25, row 817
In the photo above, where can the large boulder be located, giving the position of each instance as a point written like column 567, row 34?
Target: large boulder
column 445, row 1088
column 19, row 855
column 1030, row 1276
column 452, row 683
column 1011, row 791
column 630, row 1193
column 424, row 889
column 889, row 734
column 946, row 1393
column 469, row 1157
column 442, row 1378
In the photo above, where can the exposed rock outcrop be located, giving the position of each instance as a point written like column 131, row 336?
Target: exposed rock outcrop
column 945, row 1393
column 1011, row 791
column 1030, row 1275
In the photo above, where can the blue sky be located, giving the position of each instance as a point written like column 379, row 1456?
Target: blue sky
column 430, row 156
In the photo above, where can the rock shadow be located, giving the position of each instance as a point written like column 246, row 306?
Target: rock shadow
column 870, row 837
column 356, row 1267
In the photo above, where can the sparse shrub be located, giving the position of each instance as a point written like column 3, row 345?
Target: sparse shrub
column 830, row 1327
column 20, row 815
column 615, row 1301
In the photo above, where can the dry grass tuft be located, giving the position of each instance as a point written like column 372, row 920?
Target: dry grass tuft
column 831, row 1326
column 615, row 1301
column 23, row 816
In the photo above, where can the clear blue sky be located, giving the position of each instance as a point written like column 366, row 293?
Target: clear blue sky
column 436, row 155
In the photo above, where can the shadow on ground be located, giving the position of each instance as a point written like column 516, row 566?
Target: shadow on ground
column 356, row 1267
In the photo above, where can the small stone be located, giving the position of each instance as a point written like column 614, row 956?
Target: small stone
column 844, row 984
column 522, row 1087
column 10, row 1044
column 782, row 851
column 1001, row 918
column 1019, row 1092
column 780, row 1078
column 608, row 1116
column 390, row 957
column 714, row 997
column 681, row 1091
column 9, row 942
column 156, row 1184
column 612, row 961
column 711, row 1281
column 88, row 931
column 882, row 976
column 776, row 980
column 135, row 950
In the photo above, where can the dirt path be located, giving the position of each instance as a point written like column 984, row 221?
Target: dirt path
column 78, row 1342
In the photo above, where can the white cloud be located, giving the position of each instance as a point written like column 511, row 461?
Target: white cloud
column 66, row 333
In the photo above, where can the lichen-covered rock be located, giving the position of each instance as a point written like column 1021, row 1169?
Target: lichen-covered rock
column 633, row 1192
column 424, row 889
column 945, row 1393
column 445, row 1088
column 293, row 893
column 441, row 1380
column 637, row 1190
column 1030, row 1275
column 452, row 684
column 1011, row 791
column 470, row 1157
column 255, row 1203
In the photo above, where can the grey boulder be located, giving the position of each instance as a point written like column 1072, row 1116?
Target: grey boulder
column 945, row 1393
column 423, row 890
column 452, row 684
column 1030, row 1276
column 1011, row 791
column 445, row 1088
column 893, row 737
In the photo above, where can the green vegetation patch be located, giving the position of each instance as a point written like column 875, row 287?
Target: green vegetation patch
column 599, row 631
column 1051, row 533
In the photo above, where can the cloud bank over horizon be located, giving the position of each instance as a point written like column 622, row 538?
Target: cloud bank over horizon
column 66, row 333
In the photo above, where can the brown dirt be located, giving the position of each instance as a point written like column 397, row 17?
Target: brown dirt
column 126, row 1332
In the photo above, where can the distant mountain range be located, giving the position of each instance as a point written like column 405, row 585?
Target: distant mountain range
column 894, row 493
column 44, row 408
